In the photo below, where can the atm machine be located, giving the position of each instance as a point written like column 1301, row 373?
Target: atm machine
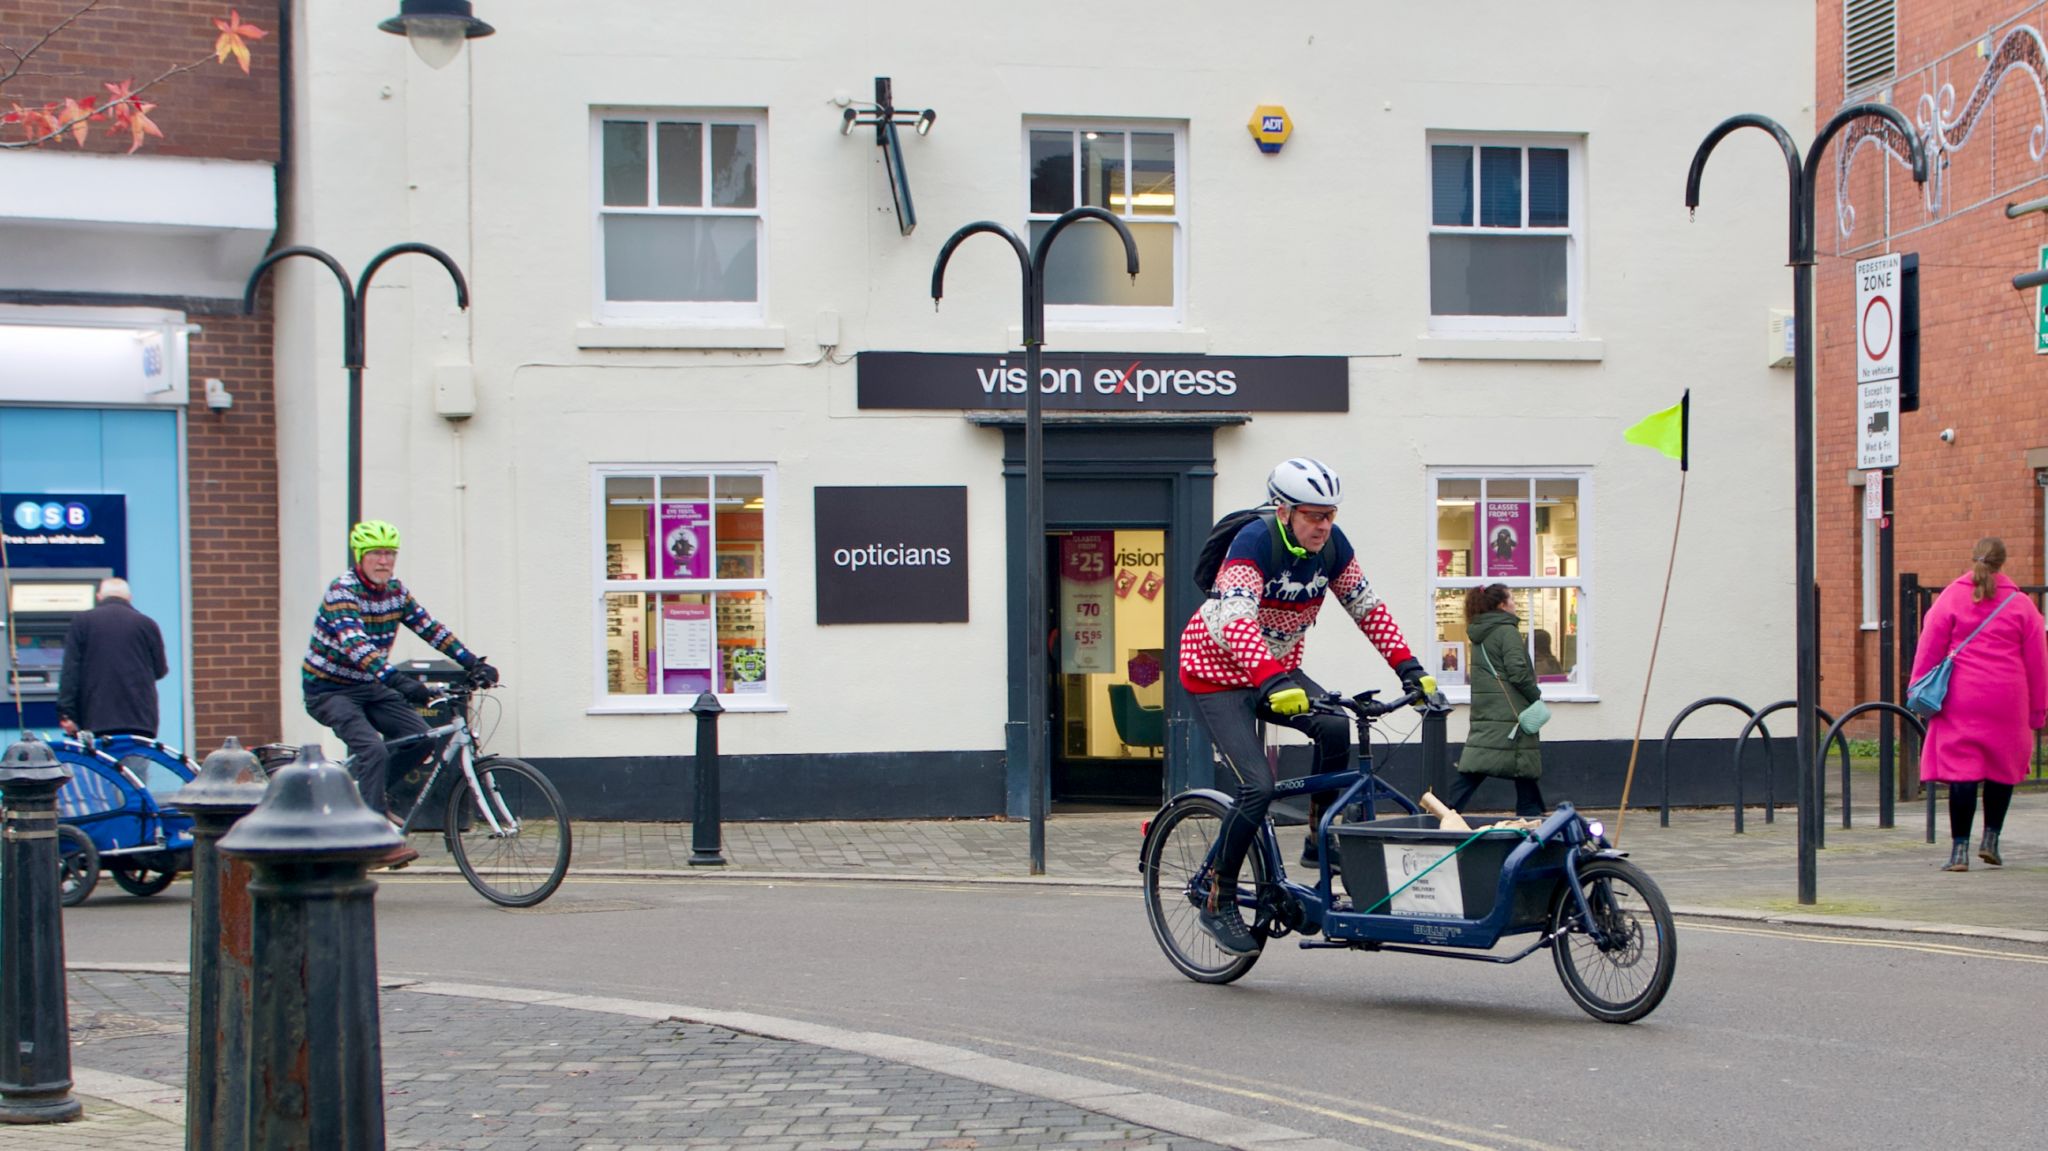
column 40, row 602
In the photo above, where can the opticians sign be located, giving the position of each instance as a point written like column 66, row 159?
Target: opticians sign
column 891, row 555
column 1106, row 382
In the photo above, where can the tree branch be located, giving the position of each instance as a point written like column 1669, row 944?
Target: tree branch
column 21, row 58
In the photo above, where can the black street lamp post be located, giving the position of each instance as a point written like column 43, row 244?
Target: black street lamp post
column 1801, row 177
column 354, row 330
column 1031, row 262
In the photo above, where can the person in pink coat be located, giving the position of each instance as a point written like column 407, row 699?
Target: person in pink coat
column 1997, row 697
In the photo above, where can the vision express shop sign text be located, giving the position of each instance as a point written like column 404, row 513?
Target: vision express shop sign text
column 1107, row 382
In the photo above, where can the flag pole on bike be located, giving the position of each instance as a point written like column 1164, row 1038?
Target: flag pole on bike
column 1668, row 431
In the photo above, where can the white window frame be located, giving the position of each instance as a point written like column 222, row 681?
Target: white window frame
column 1118, row 317
column 606, row 703
column 679, row 312
column 1575, row 244
column 1432, row 651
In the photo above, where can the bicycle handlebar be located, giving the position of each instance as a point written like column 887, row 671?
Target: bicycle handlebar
column 1365, row 707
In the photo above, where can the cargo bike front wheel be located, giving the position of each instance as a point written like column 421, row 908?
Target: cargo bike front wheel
column 1618, row 966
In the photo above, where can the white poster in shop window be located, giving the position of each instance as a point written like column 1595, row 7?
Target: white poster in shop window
column 1087, row 603
column 1435, row 893
column 1877, row 425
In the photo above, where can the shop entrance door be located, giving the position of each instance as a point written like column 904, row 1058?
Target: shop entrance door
column 1108, row 664
column 1139, row 488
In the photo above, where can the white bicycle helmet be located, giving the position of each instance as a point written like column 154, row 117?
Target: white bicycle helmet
column 1304, row 481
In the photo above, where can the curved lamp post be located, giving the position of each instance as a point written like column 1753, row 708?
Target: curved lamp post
column 1801, row 178
column 1031, row 262
column 354, row 330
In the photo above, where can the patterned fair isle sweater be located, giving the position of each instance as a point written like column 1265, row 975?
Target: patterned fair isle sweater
column 1252, row 628
column 357, row 624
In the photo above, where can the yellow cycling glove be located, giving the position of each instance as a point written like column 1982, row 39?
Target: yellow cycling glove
column 1283, row 697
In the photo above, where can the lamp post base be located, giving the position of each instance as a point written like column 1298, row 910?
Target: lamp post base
column 50, row 1106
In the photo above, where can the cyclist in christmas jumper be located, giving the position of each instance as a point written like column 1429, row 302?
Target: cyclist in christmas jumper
column 349, row 682
column 1240, row 657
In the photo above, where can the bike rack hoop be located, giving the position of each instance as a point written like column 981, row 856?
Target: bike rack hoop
column 1664, row 751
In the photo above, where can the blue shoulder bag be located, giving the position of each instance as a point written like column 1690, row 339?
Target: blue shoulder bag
column 1924, row 696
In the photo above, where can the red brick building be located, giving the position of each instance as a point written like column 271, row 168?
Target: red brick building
column 1969, row 74
column 120, row 305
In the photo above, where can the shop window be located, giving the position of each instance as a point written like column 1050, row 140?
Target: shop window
column 1531, row 533
column 1504, row 229
column 684, row 603
column 1134, row 172
column 679, row 217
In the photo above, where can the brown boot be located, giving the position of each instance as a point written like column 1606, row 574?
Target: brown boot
column 398, row 857
column 1959, row 856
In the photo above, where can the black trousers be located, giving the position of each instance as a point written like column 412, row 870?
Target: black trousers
column 1231, row 719
column 364, row 716
column 1528, row 796
column 1962, row 807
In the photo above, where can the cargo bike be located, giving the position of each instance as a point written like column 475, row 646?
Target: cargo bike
column 1412, row 886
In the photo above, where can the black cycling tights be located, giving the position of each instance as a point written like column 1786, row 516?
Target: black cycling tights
column 1962, row 807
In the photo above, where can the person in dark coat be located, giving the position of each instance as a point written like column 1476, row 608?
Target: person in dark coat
column 113, row 656
column 1503, row 684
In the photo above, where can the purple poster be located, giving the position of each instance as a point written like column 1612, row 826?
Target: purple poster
column 679, row 541
column 1504, row 537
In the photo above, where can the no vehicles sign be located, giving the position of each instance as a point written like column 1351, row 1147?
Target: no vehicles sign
column 1877, row 318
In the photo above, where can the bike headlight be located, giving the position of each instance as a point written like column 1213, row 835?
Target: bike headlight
column 1597, row 829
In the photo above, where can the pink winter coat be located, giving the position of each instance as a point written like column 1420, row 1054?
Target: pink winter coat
column 1997, row 690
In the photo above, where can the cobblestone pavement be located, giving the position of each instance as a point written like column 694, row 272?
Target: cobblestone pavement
column 472, row 1073
column 1864, row 873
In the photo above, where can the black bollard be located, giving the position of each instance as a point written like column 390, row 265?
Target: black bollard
column 1436, row 746
column 316, row 1066
column 35, row 1019
column 705, row 847
column 228, row 787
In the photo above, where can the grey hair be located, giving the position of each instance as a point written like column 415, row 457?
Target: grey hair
column 114, row 587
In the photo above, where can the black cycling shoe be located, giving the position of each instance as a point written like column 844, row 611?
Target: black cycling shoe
column 1227, row 928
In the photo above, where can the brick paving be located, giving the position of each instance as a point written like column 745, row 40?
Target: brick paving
column 487, row 1074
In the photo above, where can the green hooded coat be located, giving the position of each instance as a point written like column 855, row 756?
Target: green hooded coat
column 1497, row 744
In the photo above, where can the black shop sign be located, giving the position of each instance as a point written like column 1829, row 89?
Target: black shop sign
column 891, row 555
column 1107, row 382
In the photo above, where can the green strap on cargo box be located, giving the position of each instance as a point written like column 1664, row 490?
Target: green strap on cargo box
column 1469, row 841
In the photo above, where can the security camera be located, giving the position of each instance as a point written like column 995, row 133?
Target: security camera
column 1948, row 435
column 217, row 396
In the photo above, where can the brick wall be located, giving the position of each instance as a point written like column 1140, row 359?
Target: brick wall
column 1979, row 372
column 213, row 111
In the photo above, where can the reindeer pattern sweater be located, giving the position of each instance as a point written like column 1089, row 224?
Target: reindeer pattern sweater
column 1252, row 627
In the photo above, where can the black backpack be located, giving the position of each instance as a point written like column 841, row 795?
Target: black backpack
column 1218, row 545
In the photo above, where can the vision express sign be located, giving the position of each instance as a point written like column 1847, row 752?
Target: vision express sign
column 1107, row 382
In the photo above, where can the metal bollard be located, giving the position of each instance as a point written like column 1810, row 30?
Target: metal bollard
column 228, row 787
column 35, row 1019
column 705, row 847
column 315, row 1067
column 1436, row 746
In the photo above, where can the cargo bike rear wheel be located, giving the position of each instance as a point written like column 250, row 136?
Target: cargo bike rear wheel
column 1177, row 878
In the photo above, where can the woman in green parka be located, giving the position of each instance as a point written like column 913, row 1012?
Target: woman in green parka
column 1503, row 684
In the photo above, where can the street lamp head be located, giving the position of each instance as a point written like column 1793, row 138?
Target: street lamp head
column 436, row 28
column 846, row 121
column 924, row 121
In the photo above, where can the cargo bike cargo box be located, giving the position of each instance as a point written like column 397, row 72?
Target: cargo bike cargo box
column 1381, row 855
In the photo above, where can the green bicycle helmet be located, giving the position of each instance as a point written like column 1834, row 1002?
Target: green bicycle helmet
column 371, row 535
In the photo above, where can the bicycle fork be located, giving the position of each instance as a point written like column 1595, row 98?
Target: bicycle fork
column 489, row 804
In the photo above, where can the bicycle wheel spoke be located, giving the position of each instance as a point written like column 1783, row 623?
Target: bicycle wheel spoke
column 510, row 837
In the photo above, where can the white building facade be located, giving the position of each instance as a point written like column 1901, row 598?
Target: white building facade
column 701, row 428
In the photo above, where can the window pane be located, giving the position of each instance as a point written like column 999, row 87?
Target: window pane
column 625, row 643
column 679, row 534
column 739, row 503
column 680, row 258
column 1551, row 622
column 1557, row 528
column 627, row 503
column 1497, row 275
column 1454, row 651
column 743, row 641
column 1455, row 503
column 1500, row 187
column 1052, row 171
column 1102, row 169
column 1502, row 536
column 684, row 656
column 1549, row 188
column 732, row 166
column 679, row 165
column 1152, row 174
column 1086, row 266
column 1450, row 185
column 625, row 163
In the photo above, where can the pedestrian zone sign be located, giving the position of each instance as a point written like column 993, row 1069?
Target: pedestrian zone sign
column 1877, row 317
